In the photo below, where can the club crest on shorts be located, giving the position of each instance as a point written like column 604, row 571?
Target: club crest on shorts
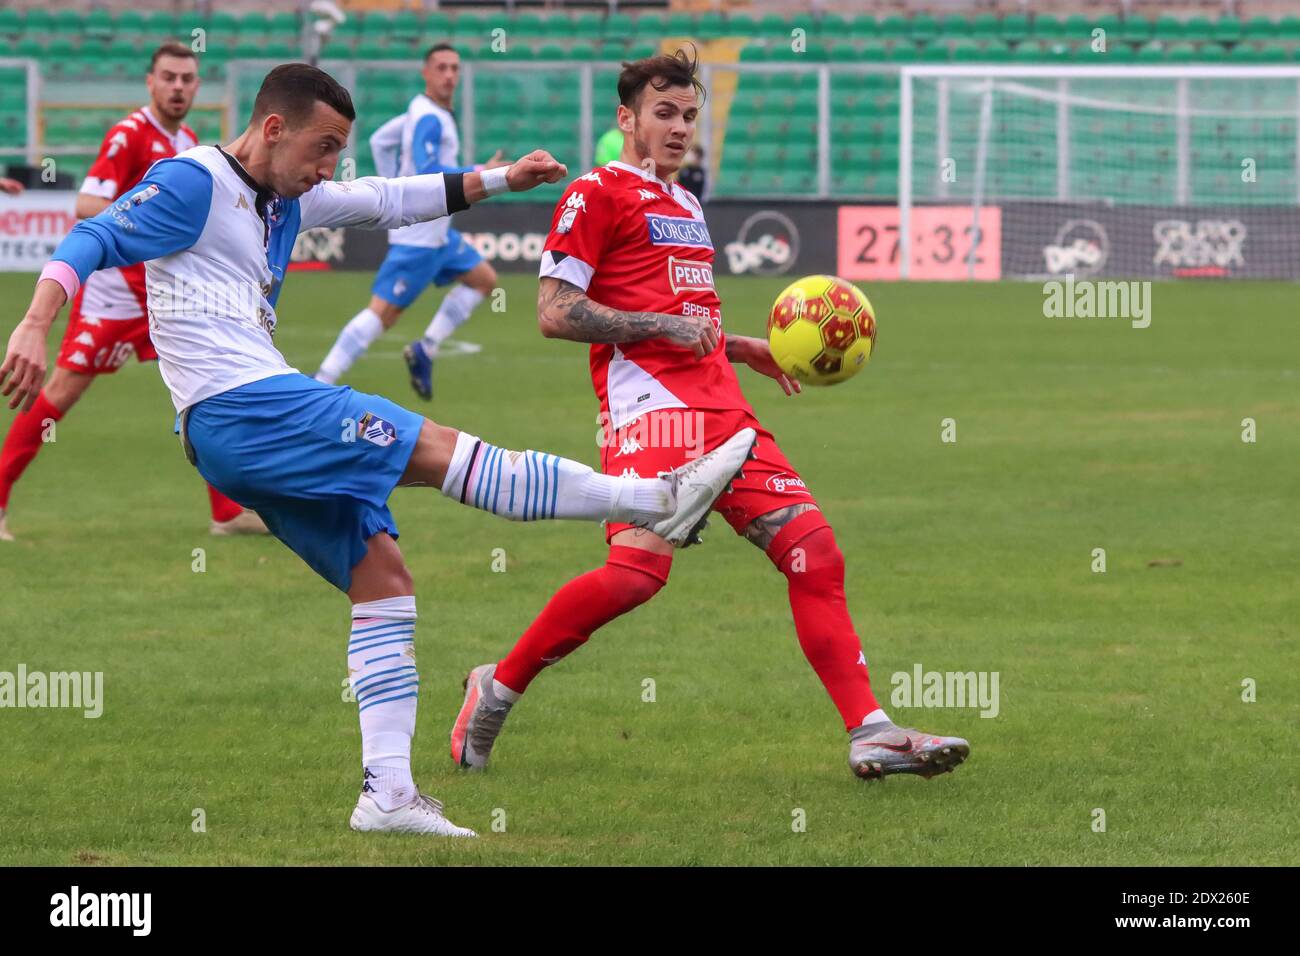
column 376, row 430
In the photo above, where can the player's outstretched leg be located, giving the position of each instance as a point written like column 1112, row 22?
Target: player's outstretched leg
column 801, row 544
column 474, row 285
column 531, row 486
column 356, row 337
column 386, row 683
column 630, row 577
column 34, row 428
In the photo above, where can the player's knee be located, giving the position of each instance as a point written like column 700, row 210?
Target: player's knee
column 64, row 388
column 815, row 559
column 482, row 278
column 637, row 575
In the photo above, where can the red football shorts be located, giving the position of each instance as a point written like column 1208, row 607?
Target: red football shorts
column 669, row 437
column 101, row 346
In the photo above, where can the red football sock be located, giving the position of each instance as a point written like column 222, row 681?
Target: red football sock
column 806, row 553
column 629, row 578
column 23, row 442
column 223, row 508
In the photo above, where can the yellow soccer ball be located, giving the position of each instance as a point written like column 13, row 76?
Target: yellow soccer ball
column 822, row 330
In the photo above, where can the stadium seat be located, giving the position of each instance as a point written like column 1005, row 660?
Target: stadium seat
column 1014, row 28
column 1137, row 30
column 1227, row 30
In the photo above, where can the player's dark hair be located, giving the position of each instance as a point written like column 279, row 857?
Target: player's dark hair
column 438, row 48
column 171, row 48
column 293, row 89
column 661, row 72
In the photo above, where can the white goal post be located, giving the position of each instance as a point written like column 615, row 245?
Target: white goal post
column 1133, row 171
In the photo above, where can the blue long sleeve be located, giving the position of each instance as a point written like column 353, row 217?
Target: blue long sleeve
column 164, row 214
column 426, row 144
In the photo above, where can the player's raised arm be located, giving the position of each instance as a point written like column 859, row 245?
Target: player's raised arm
column 374, row 202
column 165, row 214
column 565, row 311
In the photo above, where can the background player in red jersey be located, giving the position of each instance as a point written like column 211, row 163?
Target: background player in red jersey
column 628, row 267
column 108, row 323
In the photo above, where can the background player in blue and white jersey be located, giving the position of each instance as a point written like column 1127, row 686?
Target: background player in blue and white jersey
column 424, row 139
column 215, row 228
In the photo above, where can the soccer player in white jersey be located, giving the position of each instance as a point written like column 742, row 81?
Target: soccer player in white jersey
column 215, row 228
column 424, row 139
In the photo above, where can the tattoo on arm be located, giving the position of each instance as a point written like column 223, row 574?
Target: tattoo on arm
column 764, row 529
column 572, row 315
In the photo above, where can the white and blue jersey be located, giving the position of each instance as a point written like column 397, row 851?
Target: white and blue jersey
column 422, row 140
column 426, row 141
column 316, row 462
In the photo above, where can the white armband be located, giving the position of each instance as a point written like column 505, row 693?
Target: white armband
column 494, row 180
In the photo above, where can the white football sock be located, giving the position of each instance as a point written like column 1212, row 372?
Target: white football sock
column 382, row 673
column 877, row 718
column 531, row 486
column 352, row 343
column 455, row 309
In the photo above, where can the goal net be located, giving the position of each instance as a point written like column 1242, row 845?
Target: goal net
column 1135, row 172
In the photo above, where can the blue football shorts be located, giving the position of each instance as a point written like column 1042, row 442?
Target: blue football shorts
column 317, row 462
column 407, row 270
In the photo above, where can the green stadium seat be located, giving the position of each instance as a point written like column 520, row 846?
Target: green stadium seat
column 66, row 22
column 1048, row 27
column 582, row 51
column 1181, row 53
column 1137, row 30
column 1211, row 53
column 773, row 26
column 1014, row 28
column 1227, row 30
column 848, row 53
column 38, row 21
column 619, row 27
column 753, row 53
column 893, row 27
column 954, row 25
column 550, row 51
column 679, row 24
column 1030, row 51
column 1169, row 28
column 711, row 26
column 642, row 51
column 528, row 26
column 965, row 51
column 924, row 28
column 11, row 22
column 986, row 26
column 1288, row 28
column 936, row 51
column 587, row 26
column 1077, row 28
column 1198, row 29
column 1153, row 52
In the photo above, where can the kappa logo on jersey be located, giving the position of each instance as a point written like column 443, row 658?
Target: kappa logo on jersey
column 592, row 177
column 779, row 483
column 678, row 231
column 242, row 203
column 646, row 194
column 159, row 147
column 689, row 275
column 629, row 473
column 116, row 142
column 376, row 430
column 572, row 206
column 630, row 446
column 576, row 201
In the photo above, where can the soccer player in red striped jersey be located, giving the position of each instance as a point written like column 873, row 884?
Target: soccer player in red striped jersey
column 108, row 321
column 628, row 268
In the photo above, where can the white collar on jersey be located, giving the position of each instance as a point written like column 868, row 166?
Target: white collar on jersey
column 688, row 205
column 647, row 176
column 173, row 138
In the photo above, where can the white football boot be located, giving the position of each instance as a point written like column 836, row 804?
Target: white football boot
column 422, row 815
column 698, row 484
column 246, row 522
column 4, row 528
column 479, row 722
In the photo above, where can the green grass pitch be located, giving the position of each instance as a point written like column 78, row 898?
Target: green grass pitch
column 1119, row 691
